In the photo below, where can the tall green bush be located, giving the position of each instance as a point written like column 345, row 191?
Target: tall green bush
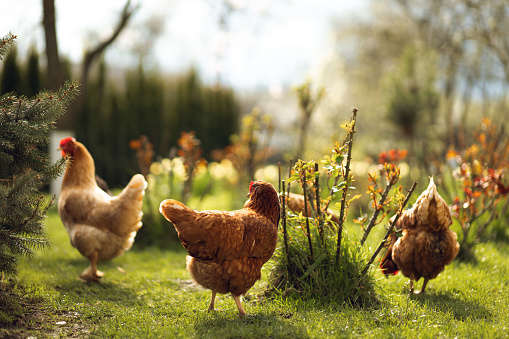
column 33, row 74
column 11, row 74
column 23, row 79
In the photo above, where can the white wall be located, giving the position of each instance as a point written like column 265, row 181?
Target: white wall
column 55, row 154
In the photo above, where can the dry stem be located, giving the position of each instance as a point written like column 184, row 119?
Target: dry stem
column 345, row 189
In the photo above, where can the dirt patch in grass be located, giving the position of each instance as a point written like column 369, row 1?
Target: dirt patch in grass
column 23, row 316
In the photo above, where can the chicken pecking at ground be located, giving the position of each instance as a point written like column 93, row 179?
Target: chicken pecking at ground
column 101, row 227
column 427, row 244
column 228, row 249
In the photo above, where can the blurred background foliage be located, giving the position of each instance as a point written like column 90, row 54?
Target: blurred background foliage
column 423, row 74
column 147, row 103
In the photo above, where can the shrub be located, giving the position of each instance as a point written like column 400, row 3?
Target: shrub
column 317, row 259
column 297, row 273
column 480, row 186
column 313, row 261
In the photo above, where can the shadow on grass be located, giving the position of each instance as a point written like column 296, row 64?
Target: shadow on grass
column 257, row 325
column 93, row 293
column 108, row 290
column 460, row 309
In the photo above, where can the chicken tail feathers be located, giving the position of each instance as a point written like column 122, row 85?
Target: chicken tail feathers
column 176, row 212
column 130, row 203
column 135, row 190
column 137, row 183
column 387, row 264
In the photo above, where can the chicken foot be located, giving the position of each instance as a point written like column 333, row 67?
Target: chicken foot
column 422, row 288
column 91, row 273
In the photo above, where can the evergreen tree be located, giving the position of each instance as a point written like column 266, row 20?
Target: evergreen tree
column 25, row 125
column 11, row 74
column 33, row 73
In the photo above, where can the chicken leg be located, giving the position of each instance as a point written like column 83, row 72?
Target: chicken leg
column 424, row 285
column 91, row 273
column 242, row 313
column 411, row 283
column 211, row 306
column 422, row 289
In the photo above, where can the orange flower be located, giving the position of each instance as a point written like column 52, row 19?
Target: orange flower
column 135, row 144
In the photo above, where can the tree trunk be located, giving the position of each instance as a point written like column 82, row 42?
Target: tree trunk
column 55, row 77
column 54, row 68
column 95, row 53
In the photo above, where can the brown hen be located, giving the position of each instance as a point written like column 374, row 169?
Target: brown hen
column 101, row 227
column 427, row 244
column 228, row 249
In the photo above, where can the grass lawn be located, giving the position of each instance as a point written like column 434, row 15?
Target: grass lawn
column 148, row 294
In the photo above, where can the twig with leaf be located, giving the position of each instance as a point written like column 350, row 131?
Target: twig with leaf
column 392, row 174
column 350, row 127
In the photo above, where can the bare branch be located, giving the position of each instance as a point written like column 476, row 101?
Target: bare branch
column 92, row 54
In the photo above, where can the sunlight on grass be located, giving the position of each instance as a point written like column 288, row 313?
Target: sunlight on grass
column 155, row 298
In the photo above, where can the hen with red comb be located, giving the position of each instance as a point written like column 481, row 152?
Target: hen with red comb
column 228, row 249
column 100, row 227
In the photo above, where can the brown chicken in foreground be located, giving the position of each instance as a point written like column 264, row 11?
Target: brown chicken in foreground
column 100, row 226
column 228, row 249
column 427, row 244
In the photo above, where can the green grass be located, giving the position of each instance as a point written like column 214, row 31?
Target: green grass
column 155, row 298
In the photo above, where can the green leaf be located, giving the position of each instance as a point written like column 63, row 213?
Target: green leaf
column 355, row 197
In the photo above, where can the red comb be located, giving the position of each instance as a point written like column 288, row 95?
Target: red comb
column 66, row 141
column 250, row 185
